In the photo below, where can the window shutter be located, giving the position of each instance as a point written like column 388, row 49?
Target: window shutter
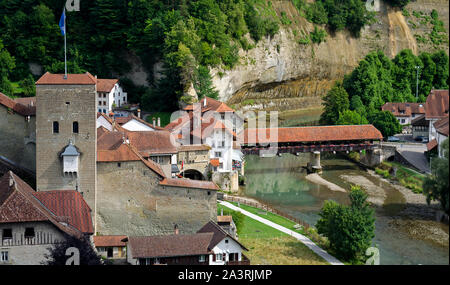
column 214, row 257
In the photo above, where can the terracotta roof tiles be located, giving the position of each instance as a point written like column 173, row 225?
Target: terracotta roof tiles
column 437, row 104
column 72, row 79
column 106, row 85
column 21, row 107
column 109, row 241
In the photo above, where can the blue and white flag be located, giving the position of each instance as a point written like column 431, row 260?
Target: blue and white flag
column 62, row 22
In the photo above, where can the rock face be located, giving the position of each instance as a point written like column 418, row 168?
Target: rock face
column 281, row 74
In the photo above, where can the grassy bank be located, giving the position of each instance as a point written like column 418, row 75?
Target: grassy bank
column 405, row 176
column 269, row 246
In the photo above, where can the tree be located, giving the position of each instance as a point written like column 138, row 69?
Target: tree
column 203, row 84
column 386, row 123
column 335, row 102
column 57, row 253
column 441, row 78
column 436, row 186
column 348, row 117
column 350, row 229
column 7, row 64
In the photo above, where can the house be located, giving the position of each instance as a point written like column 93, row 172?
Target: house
column 110, row 95
column 211, row 245
column 226, row 250
column 136, row 124
column 436, row 109
column 404, row 112
column 31, row 222
column 111, row 247
column 18, row 131
column 441, row 128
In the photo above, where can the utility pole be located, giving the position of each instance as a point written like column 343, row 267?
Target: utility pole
column 417, row 84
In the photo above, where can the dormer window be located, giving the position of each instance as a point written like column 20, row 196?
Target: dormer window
column 70, row 159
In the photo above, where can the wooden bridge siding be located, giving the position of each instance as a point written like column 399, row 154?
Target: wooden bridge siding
column 311, row 148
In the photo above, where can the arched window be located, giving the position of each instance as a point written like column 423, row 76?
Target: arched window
column 75, row 127
column 55, row 127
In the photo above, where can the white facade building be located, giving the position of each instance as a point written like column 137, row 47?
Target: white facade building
column 109, row 95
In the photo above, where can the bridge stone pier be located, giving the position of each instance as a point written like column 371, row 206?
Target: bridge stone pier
column 314, row 163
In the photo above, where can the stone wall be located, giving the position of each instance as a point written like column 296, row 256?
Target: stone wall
column 130, row 201
column 66, row 104
column 18, row 138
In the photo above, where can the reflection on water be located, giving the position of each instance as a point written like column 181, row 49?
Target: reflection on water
column 280, row 182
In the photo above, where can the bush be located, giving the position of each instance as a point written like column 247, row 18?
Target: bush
column 349, row 229
column 318, row 35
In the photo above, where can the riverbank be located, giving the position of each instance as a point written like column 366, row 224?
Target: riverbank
column 316, row 178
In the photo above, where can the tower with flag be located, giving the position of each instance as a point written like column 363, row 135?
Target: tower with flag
column 62, row 26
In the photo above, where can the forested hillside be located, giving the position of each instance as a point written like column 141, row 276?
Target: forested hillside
column 187, row 38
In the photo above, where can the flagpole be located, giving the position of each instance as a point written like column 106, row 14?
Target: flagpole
column 65, row 44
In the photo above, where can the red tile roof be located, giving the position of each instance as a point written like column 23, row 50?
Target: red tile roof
column 312, row 134
column 17, row 105
column 72, row 79
column 224, row 219
column 70, row 207
column 188, row 183
column 219, row 234
column 114, row 152
column 441, row 126
column 157, row 142
column 437, row 104
column 432, row 144
column 194, row 147
column 404, row 109
column 19, row 203
column 106, row 85
column 170, row 245
column 109, row 241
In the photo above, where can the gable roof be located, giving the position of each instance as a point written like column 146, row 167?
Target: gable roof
column 437, row 104
column 404, row 109
column 441, row 126
column 219, row 234
column 70, row 207
column 72, row 79
column 18, row 105
column 18, row 203
column 170, row 245
column 106, row 85
column 148, row 143
column 124, row 120
column 108, row 241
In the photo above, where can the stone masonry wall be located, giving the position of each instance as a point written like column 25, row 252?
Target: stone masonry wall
column 18, row 138
column 130, row 201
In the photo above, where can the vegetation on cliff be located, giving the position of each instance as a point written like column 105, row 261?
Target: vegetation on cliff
column 377, row 80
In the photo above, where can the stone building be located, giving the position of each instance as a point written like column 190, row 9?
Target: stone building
column 31, row 222
column 18, row 131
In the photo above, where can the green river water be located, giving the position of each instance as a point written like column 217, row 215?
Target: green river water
column 280, row 182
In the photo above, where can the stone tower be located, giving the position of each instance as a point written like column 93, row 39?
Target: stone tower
column 66, row 134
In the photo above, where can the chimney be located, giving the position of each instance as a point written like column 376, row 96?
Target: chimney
column 139, row 113
column 204, row 102
column 176, row 230
column 221, row 212
column 159, row 122
column 154, row 121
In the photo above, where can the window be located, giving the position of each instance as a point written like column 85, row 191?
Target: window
column 222, row 116
column 29, row 233
column 118, row 164
column 7, row 234
column 218, row 154
column 202, row 258
column 226, row 241
column 219, row 256
column 4, row 256
column 104, row 111
column 55, row 127
column 75, row 127
column 100, row 103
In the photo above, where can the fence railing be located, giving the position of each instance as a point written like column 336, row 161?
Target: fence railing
column 40, row 238
column 266, row 208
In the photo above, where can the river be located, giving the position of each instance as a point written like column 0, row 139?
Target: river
column 402, row 238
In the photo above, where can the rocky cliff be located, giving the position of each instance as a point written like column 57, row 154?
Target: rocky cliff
column 282, row 74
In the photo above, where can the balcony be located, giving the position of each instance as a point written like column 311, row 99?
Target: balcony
column 244, row 261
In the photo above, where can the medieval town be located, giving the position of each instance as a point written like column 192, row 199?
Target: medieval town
column 243, row 166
